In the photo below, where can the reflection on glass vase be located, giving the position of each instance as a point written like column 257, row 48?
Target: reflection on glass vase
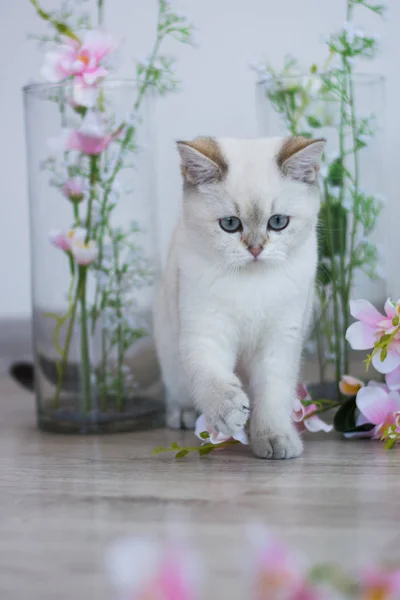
column 94, row 259
column 350, row 224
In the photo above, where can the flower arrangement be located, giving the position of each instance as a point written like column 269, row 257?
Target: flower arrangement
column 92, row 152
column 373, row 410
column 324, row 103
column 142, row 568
column 369, row 411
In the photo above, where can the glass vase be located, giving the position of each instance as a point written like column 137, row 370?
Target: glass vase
column 94, row 258
column 351, row 226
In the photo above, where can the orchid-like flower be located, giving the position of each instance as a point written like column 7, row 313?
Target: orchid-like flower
column 75, row 189
column 74, row 241
column 92, row 137
column 370, row 328
column 276, row 573
column 84, row 252
column 304, row 407
column 349, row 385
column 377, row 406
column 64, row 239
column 83, row 61
column 216, row 437
column 141, row 569
column 380, row 584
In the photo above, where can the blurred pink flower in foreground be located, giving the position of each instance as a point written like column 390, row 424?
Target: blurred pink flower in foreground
column 377, row 405
column 73, row 241
column 142, row 569
column 371, row 325
column 300, row 412
column 75, row 188
column 380, row 584
column 91, row 138
column 84, row 61
column 216, row 437
column 275, row 573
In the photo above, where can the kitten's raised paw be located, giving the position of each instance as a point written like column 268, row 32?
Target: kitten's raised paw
column 266, row 444
column 232, row 413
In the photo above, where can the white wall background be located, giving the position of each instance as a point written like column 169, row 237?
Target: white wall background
column 217, row 98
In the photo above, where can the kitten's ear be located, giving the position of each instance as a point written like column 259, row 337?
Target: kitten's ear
column 202, row 161
column 300, row 158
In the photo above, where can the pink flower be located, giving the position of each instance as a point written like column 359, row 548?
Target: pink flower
column 369, row 328
column 215, row 436
column 81, row 60
column 376, row 404
column 276, row 573
column 65, row 239
column 301, row 410
column 84, row 253
column 74, row 189
column 380, row 584
column 349, row 385
column 91, row 138
column 73, row 240
column 143, row 569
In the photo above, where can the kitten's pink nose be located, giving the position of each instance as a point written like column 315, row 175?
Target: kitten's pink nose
column 255, row 250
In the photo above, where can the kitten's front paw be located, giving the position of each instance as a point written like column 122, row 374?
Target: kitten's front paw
column 269, row 444
column 231, row 413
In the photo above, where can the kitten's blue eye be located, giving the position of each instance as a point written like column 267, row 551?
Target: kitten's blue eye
column 230, row 224
column 278, row 222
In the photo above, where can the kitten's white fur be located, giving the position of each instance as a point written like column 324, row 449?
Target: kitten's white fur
column 229, row 329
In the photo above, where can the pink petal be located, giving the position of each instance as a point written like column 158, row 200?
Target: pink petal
column 298, row 412
column 364, row 311
column 393, row 379
column 201, row 425
column 241, row 436
column 390, row 309
column 302, row 392
column 315, row 424
column 375, row 403
column 391, row 362
column 361, row 336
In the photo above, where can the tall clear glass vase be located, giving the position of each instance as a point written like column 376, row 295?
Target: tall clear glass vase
column 351, row 229
column 94, row 258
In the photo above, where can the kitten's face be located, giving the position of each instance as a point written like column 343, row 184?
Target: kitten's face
column 256, row 201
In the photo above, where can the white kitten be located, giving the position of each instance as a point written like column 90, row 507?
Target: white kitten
column 236, row 299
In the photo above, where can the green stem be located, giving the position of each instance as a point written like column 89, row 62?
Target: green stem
column 103, row 372
column 335, row 296
column 76, row 214
column 58, row 25
column 92, row 196
column 68, row 338
column 85, row 354
column 100, row 12
column 322, row 410
column 120, row 340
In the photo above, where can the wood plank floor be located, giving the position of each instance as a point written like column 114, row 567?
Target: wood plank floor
column 63, row 500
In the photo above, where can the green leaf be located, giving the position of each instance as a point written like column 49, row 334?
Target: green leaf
column 345, row 418
column 336, row 173
column 182, row 453
column 324, row 275
column 175, row 446
column 205, row 450
column 305, row 134
column 395, row 321
column 204, row 435
column 62, row 28
column 384, row 354
column 332, row 229
column 314, row 122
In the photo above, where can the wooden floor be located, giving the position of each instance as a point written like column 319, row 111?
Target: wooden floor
column 64, row 499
